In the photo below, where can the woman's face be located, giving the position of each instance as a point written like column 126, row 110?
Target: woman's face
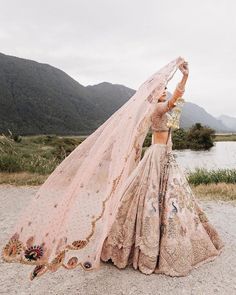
column 164, row 95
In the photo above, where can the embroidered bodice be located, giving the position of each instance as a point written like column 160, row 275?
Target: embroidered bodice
column 159, row 118
column 162, row 120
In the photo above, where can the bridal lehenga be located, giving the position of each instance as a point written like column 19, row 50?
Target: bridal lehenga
column 103, row 202
column 159, row 226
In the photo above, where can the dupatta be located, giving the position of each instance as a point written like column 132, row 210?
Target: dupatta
column 68, row 219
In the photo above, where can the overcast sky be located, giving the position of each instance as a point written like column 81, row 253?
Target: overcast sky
column 125, row 42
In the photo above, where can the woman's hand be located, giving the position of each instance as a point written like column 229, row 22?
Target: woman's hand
column 184, row 68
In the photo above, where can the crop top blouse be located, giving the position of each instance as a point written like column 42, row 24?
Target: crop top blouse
column 159, row 118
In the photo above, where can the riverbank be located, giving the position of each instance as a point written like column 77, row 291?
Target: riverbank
column 216, row 277
column 211, row 191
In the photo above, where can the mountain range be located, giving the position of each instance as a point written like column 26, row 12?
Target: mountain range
column 228, row 121
column 37, row 98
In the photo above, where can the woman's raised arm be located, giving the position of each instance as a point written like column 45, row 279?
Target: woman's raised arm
column 179, row 91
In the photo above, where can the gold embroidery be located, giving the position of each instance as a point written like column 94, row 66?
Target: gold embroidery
column 12, row 250
column 38, row 271
column 57, row 261
column 76, row 245
column 203, row 217
column 72, row 263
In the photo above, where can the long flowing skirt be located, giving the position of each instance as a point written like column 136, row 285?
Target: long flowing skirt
column 159, row 226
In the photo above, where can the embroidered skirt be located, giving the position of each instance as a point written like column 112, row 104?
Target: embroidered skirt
column 159, row 226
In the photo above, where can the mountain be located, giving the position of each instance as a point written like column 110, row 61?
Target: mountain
column 192, row 113
column 38, row 98
column 228, row 121
column 109, row 97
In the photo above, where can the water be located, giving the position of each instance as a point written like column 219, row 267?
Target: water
column 222, row 155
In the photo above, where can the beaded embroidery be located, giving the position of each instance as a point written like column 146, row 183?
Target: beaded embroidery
column 163, row 121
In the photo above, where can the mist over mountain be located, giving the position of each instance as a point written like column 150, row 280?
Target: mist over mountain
column 192, row 113
column 228, row 121
column 37, row 98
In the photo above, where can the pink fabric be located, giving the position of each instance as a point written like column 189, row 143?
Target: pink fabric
column 160, row 230
column 161, row 108
column 69, row 218
column 159, row 118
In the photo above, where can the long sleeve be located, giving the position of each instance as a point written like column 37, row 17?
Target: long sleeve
column 162, row 107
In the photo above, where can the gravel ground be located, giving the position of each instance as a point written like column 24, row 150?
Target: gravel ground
column 217, row 277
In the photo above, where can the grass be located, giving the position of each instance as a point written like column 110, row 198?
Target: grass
column 215, row 191
column 22, row 178
column 225, row 137
column 31, row 160
column 204, row 176
column 35, row 154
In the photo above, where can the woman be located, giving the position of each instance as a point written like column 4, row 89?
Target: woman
column 159, row 226
column 103, row 202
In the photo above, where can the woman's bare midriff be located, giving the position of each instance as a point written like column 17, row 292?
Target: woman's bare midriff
column 160, row 136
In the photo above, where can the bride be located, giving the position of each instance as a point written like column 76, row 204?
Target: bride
column 159, row 226
column 103, row 202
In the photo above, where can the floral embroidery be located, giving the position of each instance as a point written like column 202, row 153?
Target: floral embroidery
column 34, row 253
column 13, row 249
column 38, row 270
column 130, row 239
column 57, row 261
column 72, row 263
column 76, row 245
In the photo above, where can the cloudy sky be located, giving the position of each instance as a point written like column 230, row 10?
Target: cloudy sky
column 126, row 41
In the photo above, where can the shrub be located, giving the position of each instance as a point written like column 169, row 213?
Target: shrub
column 199, row 137
column 10, row 163
column 179, row 138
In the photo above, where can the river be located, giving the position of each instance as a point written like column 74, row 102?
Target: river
column 222, row 155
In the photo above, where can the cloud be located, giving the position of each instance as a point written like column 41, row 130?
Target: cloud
column 126, row 41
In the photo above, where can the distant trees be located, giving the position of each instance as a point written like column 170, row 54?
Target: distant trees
column 198, row 137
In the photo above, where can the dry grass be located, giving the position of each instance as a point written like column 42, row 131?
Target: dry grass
column 215, row 191
column 22, row 178
column 225, row 137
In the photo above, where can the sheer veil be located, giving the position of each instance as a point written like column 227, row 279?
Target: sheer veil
column 68, row 219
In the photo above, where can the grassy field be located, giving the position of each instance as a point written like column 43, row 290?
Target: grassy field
column 31, row 160
column 35, row 154
column 213, row 191
column 225, row 137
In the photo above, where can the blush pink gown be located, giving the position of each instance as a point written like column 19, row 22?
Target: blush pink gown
column 159, row 226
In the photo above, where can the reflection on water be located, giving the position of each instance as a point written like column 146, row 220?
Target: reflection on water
column 222, row 155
